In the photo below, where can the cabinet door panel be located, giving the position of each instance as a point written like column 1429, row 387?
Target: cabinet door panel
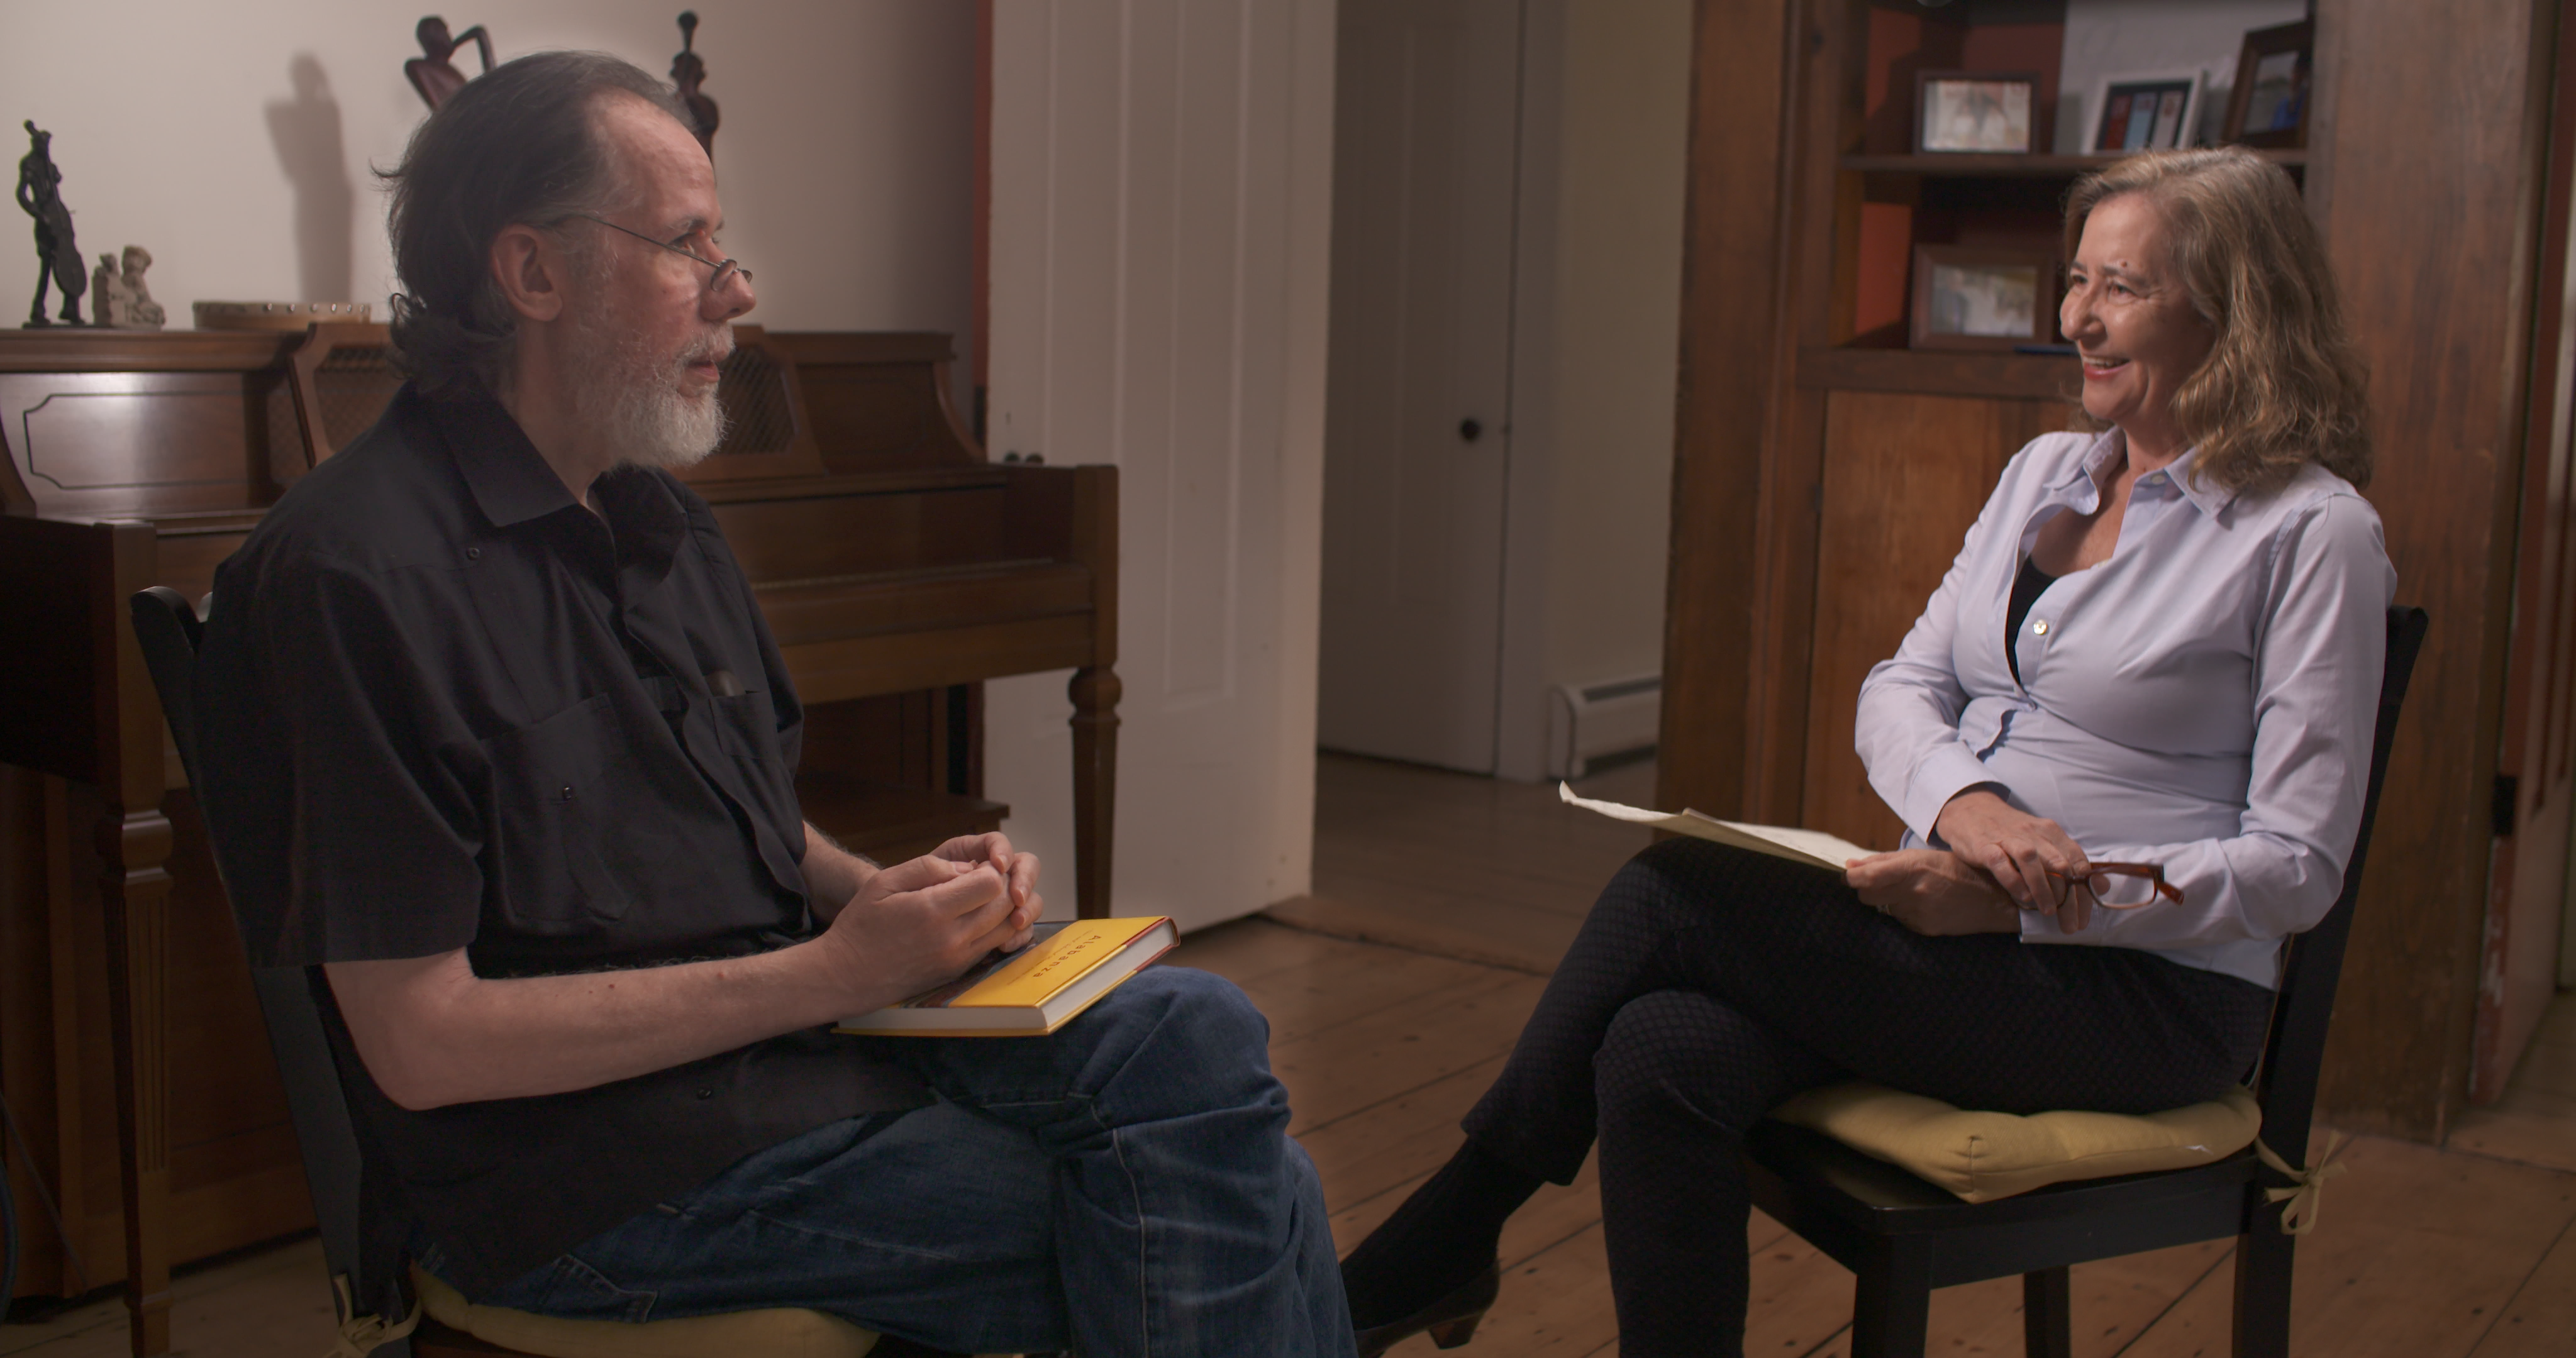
column 1903, row 478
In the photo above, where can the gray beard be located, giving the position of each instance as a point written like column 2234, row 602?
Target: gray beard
column 634, row 398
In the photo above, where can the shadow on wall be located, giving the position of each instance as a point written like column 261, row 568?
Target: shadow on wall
column 306, row 131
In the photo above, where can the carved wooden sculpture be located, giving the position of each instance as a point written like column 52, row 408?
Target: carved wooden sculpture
column 432, row 73
column 688, row 71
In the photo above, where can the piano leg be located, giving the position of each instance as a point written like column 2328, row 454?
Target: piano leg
column 1095, row 691
column 135, row 888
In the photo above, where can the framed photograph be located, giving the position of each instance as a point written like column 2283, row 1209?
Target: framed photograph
column 1975, row 111
column 2269, row 106
column 1968, row 297
column 2157, row 111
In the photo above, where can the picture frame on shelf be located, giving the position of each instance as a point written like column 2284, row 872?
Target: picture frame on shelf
column 1976, row 112
column 2269, row 106
column 2148, row 111
column 1982, row 297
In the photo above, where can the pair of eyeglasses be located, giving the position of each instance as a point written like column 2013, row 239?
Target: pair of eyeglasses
column 2154, row 873
column 726, row 270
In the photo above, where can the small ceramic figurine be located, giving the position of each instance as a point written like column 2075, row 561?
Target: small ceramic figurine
column 432, row 73
column 58, row 258
column 688, row 71
column 120, row 301
column 105, row 289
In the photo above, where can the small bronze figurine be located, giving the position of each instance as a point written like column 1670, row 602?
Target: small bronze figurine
column 431, row 72
column 688, row 71
column 58, row 258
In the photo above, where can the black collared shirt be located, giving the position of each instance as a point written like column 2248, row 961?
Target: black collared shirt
column 444, row 706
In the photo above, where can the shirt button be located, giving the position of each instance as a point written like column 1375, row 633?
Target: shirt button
column 2038, row 629
column 473, row 553
column 706, row 1093
column 567, row 792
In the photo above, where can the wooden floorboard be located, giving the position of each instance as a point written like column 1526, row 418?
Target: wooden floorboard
column 260, row 1305
column 2416, row 1253
column 2535, row 1121
column 2541, row 1318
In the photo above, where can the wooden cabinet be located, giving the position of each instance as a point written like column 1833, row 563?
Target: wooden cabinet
column 1824, row 475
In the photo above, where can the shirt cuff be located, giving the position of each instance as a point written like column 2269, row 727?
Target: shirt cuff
column 1945, row 774
column 2040, row 926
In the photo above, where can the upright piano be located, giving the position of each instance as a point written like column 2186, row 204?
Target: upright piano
column 897, row 565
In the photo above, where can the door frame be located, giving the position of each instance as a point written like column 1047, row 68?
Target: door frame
column 1520, row 671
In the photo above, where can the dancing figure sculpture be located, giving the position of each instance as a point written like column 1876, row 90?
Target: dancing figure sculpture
column 431, row 72
column 58, row 257
column 688, row 71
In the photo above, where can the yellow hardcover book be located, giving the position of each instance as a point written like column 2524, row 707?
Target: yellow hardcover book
column 1067, row 967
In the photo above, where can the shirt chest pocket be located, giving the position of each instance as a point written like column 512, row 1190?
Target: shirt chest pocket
column 551, row 788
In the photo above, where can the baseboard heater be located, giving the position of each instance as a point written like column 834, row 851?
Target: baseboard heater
column 1589, row 725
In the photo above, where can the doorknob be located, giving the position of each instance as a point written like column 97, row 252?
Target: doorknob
column 1469, row 430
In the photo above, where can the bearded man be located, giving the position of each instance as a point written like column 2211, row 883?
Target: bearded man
column 495, row 736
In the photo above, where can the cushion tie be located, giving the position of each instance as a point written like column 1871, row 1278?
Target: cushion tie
column 2309, row 1196
column 361, row 1335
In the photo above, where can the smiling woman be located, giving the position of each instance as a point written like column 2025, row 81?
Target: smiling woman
column 2160, row 644
column 2279, row 382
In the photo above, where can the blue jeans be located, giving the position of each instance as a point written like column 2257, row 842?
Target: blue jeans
column 1125, row 1186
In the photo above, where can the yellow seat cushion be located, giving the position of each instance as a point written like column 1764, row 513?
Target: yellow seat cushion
column 1983, row 1156
column 776, row 1333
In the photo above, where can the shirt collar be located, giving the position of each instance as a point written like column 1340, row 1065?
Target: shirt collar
column 512, row 483
column 2080, row 486
column 508, row 476
column 646, row 515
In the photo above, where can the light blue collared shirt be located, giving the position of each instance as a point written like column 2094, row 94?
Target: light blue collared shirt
column 2203, row 699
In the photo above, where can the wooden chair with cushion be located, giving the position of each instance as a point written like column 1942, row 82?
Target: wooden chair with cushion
column 1905, row 1234
column 384, row 1309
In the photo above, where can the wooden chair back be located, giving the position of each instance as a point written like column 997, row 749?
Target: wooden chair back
column 2286, row 1083
column 169, row 630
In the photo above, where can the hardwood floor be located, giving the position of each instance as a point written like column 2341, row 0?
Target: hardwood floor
column 1440, row 903
column 1464, row 867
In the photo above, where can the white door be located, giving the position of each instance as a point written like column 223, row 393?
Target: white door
column 1417, row 424
column 1161, row 177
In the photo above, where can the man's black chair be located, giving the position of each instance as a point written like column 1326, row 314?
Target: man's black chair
column 376, row 1307
column 368, row 1281
column 1905, row 1237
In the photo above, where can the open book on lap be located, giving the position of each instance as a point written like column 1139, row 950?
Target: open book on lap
column 1818, row 849
column 1812, row 847
column 1067, row 967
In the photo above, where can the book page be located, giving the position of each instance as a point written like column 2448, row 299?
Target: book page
column 1812, row 847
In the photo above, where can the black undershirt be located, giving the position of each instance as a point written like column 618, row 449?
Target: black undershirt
column 2027, row 587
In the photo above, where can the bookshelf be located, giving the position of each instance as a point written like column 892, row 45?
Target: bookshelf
column 1965, row 165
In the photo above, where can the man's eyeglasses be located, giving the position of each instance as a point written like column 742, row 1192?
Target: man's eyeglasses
column 726, row 270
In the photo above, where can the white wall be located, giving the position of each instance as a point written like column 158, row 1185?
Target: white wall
column 2124, row 37
column 1597, row 316
column 1162, row 185
column 234, row 141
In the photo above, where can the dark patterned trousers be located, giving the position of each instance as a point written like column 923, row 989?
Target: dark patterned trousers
column 1709, row 984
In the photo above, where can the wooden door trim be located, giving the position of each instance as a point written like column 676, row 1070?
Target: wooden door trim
column 2535, row 715
column 1745, row 63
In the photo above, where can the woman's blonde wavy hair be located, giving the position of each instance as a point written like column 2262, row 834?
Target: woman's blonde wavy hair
column 2283, row 384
